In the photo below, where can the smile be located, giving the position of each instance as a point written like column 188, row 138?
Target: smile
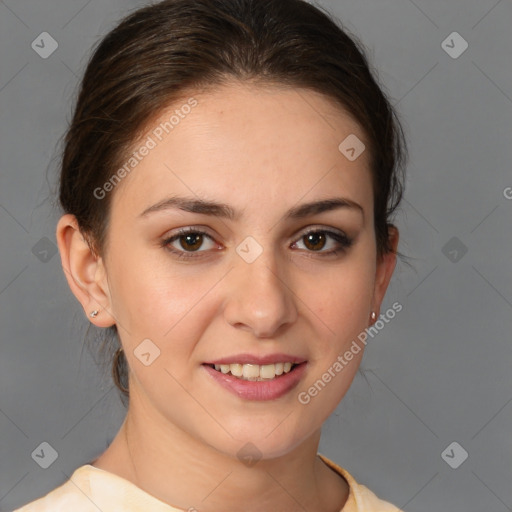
column 252, row 383
column 255, row 372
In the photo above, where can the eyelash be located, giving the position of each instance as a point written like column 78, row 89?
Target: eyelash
column 343, row 241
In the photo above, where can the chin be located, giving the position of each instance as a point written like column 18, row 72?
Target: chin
column 268, row 440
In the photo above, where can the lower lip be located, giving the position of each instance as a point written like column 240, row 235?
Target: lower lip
column 259, row 390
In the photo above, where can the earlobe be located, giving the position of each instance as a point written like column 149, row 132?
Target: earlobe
column 85, row 272
column 385, row 268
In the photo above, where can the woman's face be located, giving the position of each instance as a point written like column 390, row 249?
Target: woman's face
column 268, row 273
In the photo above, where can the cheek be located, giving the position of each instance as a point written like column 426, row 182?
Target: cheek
column 167, row 304
column 341, row 299
column 341, row 314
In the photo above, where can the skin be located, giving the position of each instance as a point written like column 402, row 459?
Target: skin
column 261, row 150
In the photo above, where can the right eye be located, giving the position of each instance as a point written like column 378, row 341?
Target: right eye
column 187, row 241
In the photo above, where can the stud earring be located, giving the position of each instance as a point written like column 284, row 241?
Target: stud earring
column 373, row 316
column 94, row 313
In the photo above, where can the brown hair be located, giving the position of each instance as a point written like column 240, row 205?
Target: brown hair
column 159, row 53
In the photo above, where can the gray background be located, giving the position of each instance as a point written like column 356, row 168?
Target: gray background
column 439, row 372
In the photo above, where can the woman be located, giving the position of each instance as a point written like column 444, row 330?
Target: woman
column 227, row 184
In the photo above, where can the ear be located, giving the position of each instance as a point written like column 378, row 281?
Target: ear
column 385, row 267
column 84, row 271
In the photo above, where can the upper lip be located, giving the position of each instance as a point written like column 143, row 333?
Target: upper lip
column 259, row 360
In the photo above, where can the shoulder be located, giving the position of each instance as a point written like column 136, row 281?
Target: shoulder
column 361, row 499
column 91, row 489
column 71, row 495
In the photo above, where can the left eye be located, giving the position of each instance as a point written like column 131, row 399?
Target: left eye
column 316, row 241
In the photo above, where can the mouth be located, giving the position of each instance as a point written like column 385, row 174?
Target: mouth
column 257, row 378
column 255, row 372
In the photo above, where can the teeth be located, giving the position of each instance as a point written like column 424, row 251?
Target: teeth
column 236, row 369
column 255, row 372
column 250, row 371
column 267, row 371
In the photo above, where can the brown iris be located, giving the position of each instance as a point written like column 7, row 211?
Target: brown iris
column 193, row 241
column 315, row 241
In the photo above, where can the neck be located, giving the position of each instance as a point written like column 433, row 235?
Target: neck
column 186, row 473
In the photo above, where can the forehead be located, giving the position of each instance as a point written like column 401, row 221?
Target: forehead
column 263, row 143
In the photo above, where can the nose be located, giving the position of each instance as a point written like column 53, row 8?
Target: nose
column 259, row 297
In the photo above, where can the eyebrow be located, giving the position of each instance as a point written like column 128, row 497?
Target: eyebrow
column 222, row 210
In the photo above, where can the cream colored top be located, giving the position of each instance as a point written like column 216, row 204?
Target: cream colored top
column 91, row 489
